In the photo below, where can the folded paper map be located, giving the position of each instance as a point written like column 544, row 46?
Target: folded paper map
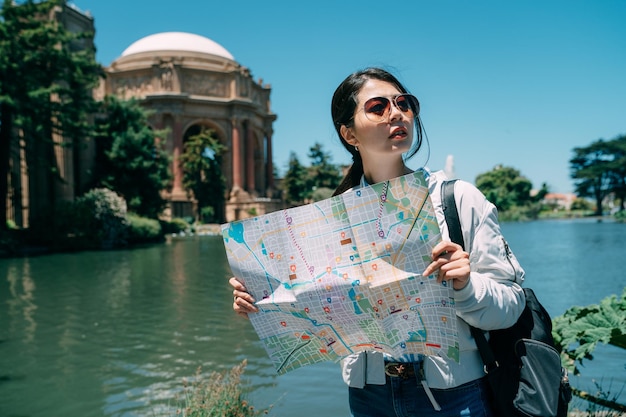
column 343, row 275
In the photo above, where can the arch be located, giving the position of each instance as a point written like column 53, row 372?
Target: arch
column 219, row 130
column 201, row 201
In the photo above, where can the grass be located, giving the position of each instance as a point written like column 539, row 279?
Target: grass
column 218, row 395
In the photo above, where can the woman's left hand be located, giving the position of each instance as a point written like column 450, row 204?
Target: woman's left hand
column 452, row 262
column 243, row 301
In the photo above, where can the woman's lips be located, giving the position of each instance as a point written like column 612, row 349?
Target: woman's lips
column 398, row 133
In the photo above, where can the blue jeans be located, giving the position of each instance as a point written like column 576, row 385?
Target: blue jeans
column 407, row 398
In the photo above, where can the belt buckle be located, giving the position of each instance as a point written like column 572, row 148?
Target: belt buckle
column 397, row 369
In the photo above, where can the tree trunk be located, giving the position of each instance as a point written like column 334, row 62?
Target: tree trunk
column 598, row 203
column 6, row 136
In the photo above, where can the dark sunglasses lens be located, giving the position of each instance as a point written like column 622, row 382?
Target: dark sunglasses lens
column 376, row 106
column 406, row 102
column 402, row 103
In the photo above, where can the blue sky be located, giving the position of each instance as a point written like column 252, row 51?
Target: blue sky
column 518, row 83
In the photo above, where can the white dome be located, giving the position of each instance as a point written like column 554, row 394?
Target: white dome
column 177, row 41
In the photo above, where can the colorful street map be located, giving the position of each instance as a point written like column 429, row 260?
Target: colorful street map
column 343, row 275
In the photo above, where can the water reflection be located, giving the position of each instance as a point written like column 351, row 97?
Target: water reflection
column 22, row 301
column 118, row 290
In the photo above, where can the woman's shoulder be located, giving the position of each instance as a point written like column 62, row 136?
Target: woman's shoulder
column 465, row 193
column 437, row 178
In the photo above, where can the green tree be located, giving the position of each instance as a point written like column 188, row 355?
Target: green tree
column 617, row 147
column 541, row 193
column 505, row 187
column 295, row 181
column 130, row 159
column 599, row 170
column 201, row 162
column 581, row 204
column 322, row 173
column 47, row 74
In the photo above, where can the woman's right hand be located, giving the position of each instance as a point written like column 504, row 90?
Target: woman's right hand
column 243, row 302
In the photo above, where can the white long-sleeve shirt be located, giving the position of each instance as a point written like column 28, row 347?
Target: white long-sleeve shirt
column 492, row 299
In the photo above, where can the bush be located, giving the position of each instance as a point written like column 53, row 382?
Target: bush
column 143, row 229
column 106, row 217
column 520, row 213
column 175, row 226
column 97, row 220
column 208, row 215
column 11, row 242
column 582, row 204
column 218, row 395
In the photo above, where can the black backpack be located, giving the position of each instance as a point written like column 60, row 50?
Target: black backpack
column 522, row 366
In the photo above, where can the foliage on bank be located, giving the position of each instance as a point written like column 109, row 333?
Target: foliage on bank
column 578, row 332
column 97, row 220
column 580, row 329
column 218, row 395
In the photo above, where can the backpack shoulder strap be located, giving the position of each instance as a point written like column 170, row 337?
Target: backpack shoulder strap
column 451, row 213
column 456, row 235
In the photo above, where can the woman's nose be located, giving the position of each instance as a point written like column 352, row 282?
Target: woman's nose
column 394, row 112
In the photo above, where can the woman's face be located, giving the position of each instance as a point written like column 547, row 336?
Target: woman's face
column 392, row 136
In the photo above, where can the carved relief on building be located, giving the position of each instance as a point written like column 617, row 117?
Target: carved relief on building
column 260, row 97
column 244, row 86
column 205, row 84
column 132, row 86
column 167, row 107
column 256, row 98
column 167, row 76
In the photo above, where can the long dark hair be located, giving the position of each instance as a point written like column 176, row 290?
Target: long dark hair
column 343, row 107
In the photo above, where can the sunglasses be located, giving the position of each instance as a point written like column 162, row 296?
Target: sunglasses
column 377, row 109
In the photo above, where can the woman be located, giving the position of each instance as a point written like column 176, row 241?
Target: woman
column 375, row 117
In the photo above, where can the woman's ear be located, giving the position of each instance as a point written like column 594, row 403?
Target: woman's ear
column 348, row 135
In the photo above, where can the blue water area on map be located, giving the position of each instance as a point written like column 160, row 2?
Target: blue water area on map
column 235, row 231
column 417, row 336
column 352, row 295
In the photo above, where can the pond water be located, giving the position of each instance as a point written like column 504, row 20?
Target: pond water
column 115, row 333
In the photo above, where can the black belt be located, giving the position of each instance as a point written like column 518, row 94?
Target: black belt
column 400, row 369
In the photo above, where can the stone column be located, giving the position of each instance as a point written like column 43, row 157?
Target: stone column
column 250, row 186
column 236, row 154
column 269, row 165
column 177, row 139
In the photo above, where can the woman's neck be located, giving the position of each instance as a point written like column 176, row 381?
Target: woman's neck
column 381, row 171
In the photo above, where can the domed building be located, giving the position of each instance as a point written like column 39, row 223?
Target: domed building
column 189, row 83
